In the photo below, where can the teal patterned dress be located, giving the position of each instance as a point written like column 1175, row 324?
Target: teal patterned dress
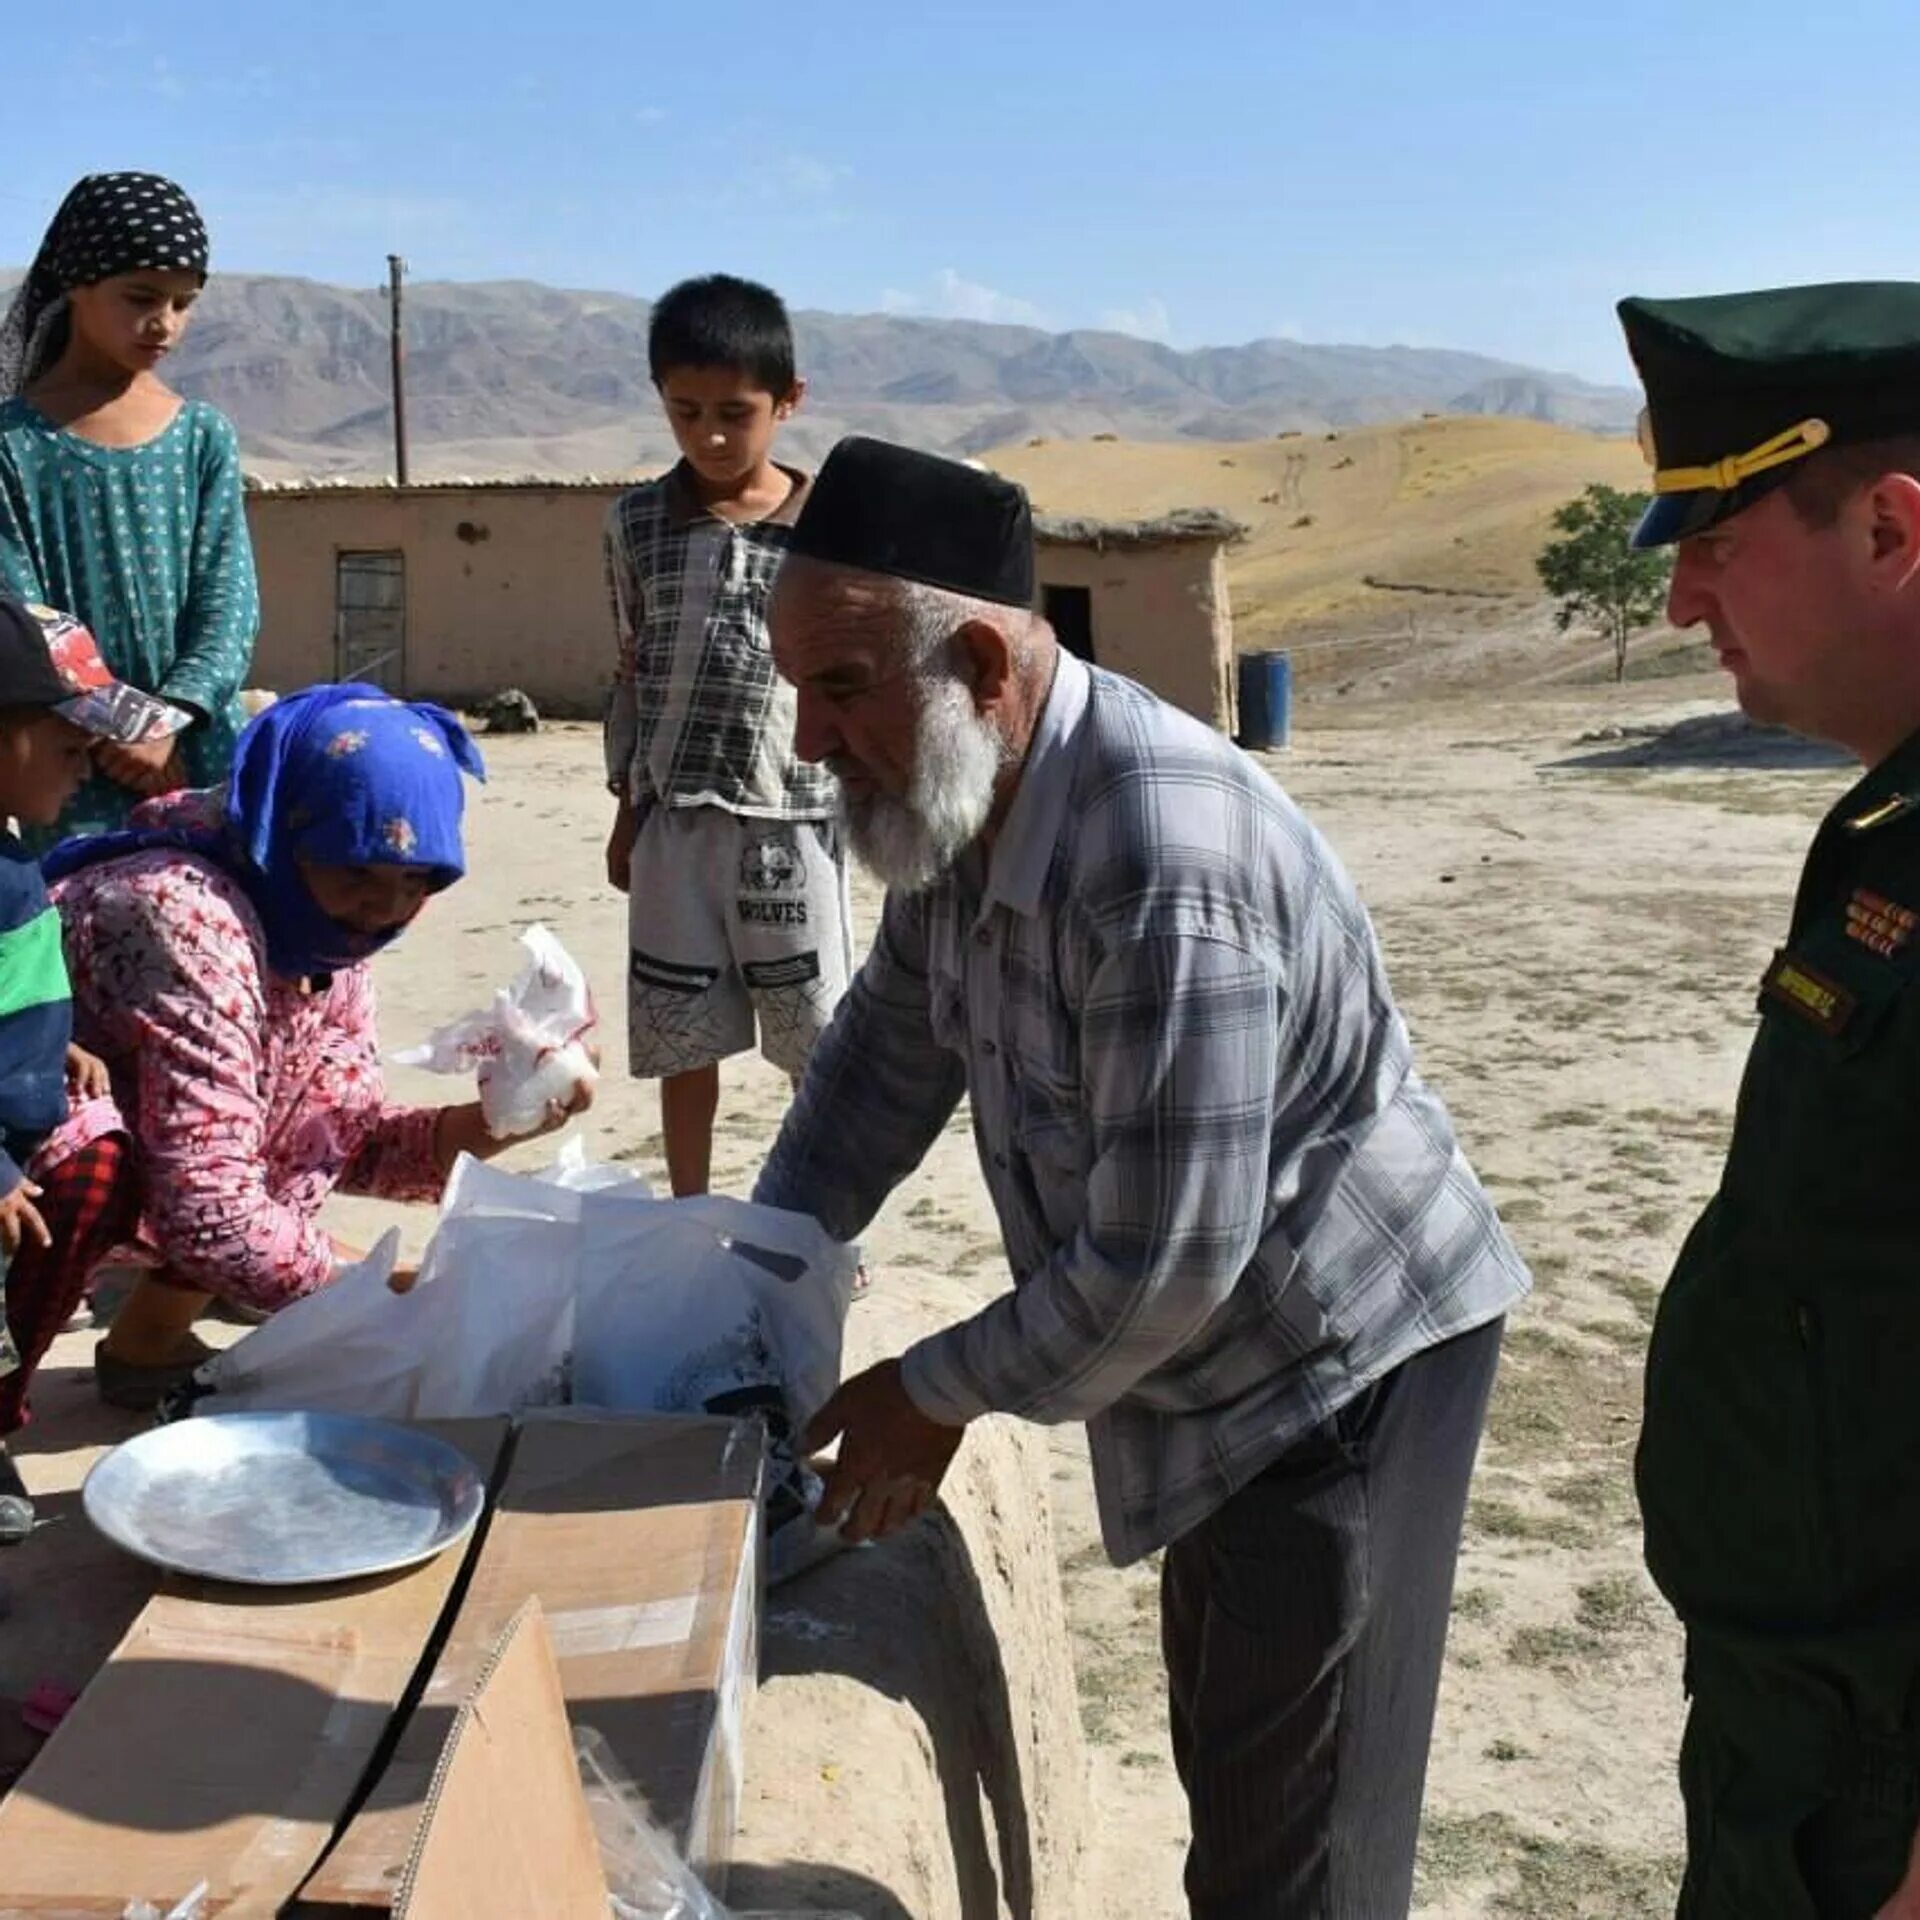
column 148, row 545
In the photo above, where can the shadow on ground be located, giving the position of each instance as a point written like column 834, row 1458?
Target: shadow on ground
column 1705, row 740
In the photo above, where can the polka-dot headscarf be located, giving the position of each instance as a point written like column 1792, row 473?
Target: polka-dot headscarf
column 111, row 223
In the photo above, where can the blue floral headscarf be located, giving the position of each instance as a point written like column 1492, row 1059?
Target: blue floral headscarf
column 342, row 776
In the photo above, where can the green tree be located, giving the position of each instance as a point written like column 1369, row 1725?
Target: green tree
column 1596, row 576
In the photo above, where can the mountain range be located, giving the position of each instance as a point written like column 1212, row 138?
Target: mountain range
column 511, row 377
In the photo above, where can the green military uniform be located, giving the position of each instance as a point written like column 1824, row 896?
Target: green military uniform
column 1779, row 1467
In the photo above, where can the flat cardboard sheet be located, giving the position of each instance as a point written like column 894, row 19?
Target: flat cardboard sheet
column 224, row 1740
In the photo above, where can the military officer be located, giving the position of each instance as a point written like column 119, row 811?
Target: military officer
column 1779, row 1464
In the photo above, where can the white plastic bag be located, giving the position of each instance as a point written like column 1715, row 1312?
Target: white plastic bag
column 714, row 1306
column 348, row 1348
column 192, row 1907
column 529, row 1048
column 486, row 1329
column 683, row 1303
column 575, row 1287
column 646, row 1878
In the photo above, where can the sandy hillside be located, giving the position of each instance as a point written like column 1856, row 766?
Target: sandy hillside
column 1575, row 948
column 1364, row 547
column 1451, row 504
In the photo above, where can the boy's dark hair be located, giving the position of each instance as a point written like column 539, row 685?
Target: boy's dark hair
column 720, row 321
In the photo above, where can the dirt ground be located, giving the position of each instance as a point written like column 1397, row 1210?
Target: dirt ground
column 1575, row 949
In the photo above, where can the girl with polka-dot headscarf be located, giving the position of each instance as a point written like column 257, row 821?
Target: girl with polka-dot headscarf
column 120, row 502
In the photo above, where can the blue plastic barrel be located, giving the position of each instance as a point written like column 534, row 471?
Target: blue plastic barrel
column 1266, row 700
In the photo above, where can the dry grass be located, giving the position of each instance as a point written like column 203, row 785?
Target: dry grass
column 1448, row 509
column 1541, row 1877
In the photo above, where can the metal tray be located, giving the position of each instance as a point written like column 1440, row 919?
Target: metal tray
column 284, row 1499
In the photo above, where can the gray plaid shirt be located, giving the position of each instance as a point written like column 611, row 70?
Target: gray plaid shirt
column 1229, row 1203
column 697, row 716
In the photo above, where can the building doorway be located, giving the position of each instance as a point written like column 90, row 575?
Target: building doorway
column 1069, row 612
column 370, row 619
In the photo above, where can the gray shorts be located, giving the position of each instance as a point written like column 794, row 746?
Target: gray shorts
column 728, row 919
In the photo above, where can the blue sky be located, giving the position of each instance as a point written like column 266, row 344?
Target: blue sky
column 1487, row 175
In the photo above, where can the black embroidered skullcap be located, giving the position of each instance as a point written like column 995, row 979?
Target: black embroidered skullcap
column 917, row 516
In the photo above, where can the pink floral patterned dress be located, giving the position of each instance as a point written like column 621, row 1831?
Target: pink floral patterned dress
column 250, row 1098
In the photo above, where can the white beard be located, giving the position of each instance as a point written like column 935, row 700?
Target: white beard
column 910, row 843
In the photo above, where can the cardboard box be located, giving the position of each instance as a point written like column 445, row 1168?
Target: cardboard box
column 640, row 1537
column 223, row 1739
column 506, row 1828
column 235, row 1732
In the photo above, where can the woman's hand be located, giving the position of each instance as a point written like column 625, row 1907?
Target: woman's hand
column 464, row 1129
column 577, row 1102
column 559, row 1112
column 346, row 1254
column 150, row 768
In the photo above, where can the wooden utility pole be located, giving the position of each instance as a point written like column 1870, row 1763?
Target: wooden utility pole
column 395, row 268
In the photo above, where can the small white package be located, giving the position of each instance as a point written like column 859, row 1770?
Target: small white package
column 193, row 1907
column 530, row 1048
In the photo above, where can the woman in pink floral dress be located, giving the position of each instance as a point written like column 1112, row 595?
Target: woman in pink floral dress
column 219, row 950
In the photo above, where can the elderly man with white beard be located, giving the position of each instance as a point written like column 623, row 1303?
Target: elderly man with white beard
column 1245, row 1247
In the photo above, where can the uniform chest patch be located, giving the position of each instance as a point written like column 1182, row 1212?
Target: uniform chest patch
column 1797, row 987
column 1896, row 807
column 1884, row 926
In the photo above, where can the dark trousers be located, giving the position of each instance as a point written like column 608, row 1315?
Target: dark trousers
column 1766, row 1842
column 1303, row 1626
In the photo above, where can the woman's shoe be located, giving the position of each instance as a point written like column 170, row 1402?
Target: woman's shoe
column 139, row 1389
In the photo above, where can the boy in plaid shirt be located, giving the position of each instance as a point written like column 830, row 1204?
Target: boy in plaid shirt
column 725, row 843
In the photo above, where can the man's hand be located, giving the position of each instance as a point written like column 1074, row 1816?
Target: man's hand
column 626, row 829
column 150, row 768
column 892, row 1457
column 86, row 1075
column 20, row 1220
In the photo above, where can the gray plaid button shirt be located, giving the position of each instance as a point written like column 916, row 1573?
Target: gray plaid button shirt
column 1229, row 1203
column 697, row 716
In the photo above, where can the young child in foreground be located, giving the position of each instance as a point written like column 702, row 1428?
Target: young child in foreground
column 58, row 705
